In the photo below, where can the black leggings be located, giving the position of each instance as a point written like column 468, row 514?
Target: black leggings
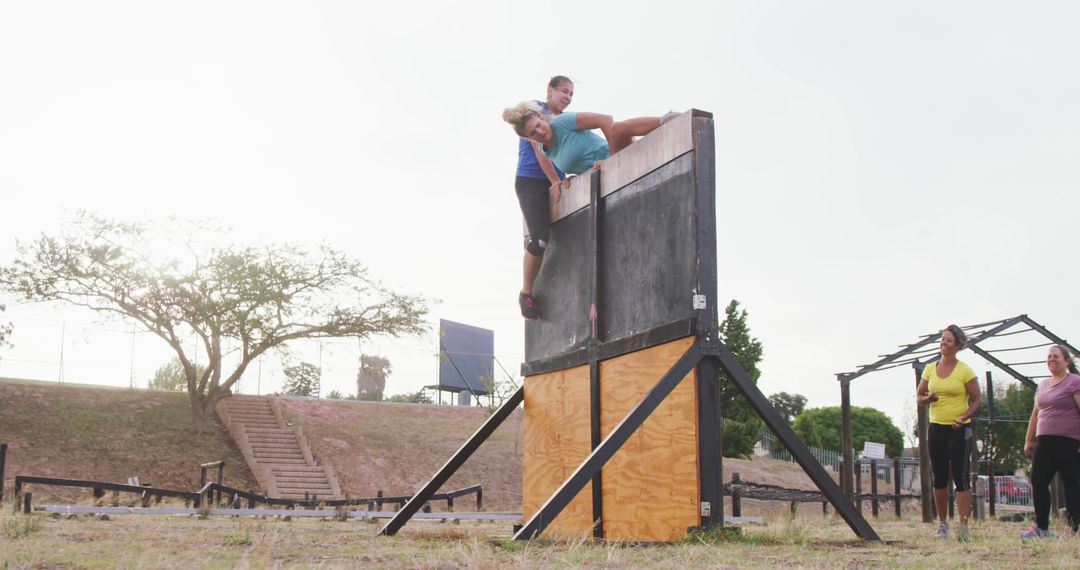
column 532, row 194
column 1055, row 454
column 950, row 446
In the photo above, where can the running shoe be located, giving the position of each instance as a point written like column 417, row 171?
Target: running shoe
column 963, row 534
column 942, row 531
column 1034, row 532
column 529, row 309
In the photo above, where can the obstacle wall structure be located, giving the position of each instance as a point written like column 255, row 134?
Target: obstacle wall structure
column 622, row 371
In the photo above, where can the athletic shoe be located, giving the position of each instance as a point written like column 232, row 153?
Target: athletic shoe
column 942, row 531
column 963, row 534
column 1035, row 532
column 529, row 309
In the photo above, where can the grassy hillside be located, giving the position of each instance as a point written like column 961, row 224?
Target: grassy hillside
column 397, row 447
column 110, row 434
column 107, row 434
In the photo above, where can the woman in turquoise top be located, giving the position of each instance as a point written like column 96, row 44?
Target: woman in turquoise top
column 568, row 139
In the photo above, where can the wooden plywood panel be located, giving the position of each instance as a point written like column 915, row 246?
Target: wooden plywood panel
column 651, row 486
column 556, row 441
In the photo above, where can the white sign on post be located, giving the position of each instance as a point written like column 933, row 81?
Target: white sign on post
column 873, row 450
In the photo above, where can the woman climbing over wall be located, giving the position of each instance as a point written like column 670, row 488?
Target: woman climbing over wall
column 568, row 139
column 536, row 178
column 951, row 390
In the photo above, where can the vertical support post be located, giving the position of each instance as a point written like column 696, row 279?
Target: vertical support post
column 873, row 488
column 925, row 491
column 896, row 485
column 858, row 485
column 847, row 475
column 991, row 487
column 594, row 421
column 710, row 456
column 976, row 502
column 3, row 462
column 480, row 499
column 596, row 220
column 736, row 495
column 710, row 444
column 28, row 502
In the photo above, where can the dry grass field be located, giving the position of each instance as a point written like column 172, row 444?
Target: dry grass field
column 40, row 541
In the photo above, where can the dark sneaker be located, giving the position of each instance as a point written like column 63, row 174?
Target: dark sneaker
column 1035, row 533
column 529, row 309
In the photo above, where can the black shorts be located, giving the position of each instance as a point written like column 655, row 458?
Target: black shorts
column 532, row 194
column 951, row 448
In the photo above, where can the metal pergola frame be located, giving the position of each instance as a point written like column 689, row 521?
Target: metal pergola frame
column 924, row 351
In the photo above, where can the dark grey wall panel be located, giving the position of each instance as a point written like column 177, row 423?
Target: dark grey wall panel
column 563, row 290
column 649, row 259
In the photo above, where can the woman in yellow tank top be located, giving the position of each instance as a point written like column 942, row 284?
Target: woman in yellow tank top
column 951, row 390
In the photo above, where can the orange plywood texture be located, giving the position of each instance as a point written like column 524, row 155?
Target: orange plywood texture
column 651, row 486
column 556, row 441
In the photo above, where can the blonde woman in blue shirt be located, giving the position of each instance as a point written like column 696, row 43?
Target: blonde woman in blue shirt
column 951, row 390
column 568, row 139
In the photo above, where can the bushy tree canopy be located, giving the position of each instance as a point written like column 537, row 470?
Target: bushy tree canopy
column 743, row 428
column 301, row 380
column 171, row 376
column 821, row 427
column 789, row 405
column 1006, row 445
column 176, row 280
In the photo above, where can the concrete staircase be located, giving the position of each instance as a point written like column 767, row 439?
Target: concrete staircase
column 277, row 453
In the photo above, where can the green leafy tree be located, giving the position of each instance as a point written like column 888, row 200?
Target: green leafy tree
column 742, row 430
column 171, row 376
column 371, row 377
column 821, row 427
column 417, row 397
column 177, row 281
column 335, row 395
column 789, row 405
column 1005, row 446
column 302, row 380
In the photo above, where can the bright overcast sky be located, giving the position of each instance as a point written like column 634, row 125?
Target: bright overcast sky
column 883, row 169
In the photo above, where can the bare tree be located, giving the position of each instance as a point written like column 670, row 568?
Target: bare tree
column 258, row 297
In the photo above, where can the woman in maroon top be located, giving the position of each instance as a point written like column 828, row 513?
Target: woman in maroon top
column 1053, row 438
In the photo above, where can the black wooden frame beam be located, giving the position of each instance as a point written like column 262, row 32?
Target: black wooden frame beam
column 780, row 427
column 456, row 460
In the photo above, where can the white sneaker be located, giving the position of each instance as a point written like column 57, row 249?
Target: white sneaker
column 942, row 531
column 668, row 116
column 963, row 534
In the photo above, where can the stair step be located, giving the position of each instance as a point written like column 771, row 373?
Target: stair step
column 271, row 437
column 271, row 431
column 277, row 449
column 305, row 480
column 274, row 460
column 311, row 487
column 297, row 471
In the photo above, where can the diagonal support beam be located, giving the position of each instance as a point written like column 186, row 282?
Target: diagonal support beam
column 780, row 427
column 460, row 456
column 611, row 444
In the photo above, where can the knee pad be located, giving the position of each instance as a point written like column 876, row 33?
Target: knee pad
column 535, row 246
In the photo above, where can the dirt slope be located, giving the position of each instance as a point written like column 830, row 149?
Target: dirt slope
column 397, row 447
column 107, row 434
